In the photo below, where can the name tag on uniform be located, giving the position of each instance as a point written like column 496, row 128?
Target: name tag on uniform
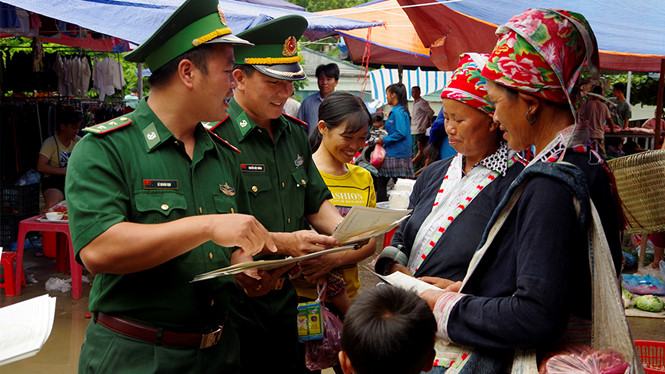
column 160, row 184
column 253, row 168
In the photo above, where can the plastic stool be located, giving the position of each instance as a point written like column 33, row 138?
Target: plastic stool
column 7, row 261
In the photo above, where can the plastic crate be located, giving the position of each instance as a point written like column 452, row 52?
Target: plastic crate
column 652, row 355
column 20, row 200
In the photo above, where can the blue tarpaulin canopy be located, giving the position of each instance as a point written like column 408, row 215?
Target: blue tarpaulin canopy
column 136, row 20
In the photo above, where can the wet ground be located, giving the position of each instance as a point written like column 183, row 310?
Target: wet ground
column 61, row 351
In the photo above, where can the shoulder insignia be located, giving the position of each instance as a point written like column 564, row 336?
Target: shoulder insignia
column 109, row 126
column 213, row 125
column 222, row 141
column 298, row 121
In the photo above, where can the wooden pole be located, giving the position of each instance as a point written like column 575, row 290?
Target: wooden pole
column 659, row 105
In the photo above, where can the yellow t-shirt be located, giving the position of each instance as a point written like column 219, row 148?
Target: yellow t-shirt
column 354, row 188
column 56, row 152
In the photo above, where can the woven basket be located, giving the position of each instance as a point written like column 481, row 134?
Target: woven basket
column 640, row 180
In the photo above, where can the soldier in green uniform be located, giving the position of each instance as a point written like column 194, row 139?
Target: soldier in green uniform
column 286, row 191
column 153, row 201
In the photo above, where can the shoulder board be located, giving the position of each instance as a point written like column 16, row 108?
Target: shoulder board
column 213, row 125
column 109, row 126
column 223, row 141
column 296, row 120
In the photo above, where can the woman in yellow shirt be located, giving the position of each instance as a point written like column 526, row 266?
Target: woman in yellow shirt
column 342, row 129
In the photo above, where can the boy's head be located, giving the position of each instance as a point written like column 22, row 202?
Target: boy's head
column 619, row 89
column 377, row 120
column 388, row 330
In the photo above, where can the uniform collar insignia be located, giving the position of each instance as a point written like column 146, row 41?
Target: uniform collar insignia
column 151, row 136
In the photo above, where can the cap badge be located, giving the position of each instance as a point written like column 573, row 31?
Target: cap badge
column 290, row 47
column 222, row 17
column 243, row 123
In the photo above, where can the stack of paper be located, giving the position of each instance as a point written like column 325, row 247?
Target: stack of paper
column 360, row 224
column 25, row 327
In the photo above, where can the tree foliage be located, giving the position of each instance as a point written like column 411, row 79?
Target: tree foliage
column 644, row 86
column 318, row 5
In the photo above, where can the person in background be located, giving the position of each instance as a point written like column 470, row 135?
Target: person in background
column 327, row 77
column 54, row 155
column 388, row 330
column 593, row 117
column 398, row 143
column 420, row 122
column 292, row 106
column 622, row 110
column 439, row 146
column 342, row 130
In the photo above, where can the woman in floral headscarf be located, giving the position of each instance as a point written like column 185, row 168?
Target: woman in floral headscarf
column 530, row 279
column 453, row 199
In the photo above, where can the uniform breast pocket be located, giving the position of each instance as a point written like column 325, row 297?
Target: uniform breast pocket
column 225, row 204
column 257, row 185
column 156, row 207
column 300, row 181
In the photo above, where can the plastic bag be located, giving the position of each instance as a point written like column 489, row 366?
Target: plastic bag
column 377, row 156
column 322, row 354
column 584, row 359
column 643, row 284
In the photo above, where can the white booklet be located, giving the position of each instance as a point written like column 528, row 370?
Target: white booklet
column 360, row 224
column 25, row 327
column 406, row 282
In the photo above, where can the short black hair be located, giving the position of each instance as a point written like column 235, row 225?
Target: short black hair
column 619, row 86
column 198, row 56
column 597, row 90
column 338, row 108
column 388, row 330
column 416, row 88
column 330, row 70
column 377, row 118
column 68, row 116
column 247, row 69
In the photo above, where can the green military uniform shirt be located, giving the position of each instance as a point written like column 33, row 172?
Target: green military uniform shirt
column 141, row 173
column 283, row 183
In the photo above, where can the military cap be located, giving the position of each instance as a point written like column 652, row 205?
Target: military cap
column 275, row 50
column 194, row 23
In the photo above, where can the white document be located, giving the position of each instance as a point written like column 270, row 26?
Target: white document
column 407, row 282
column 362, row 223
column 25, row 327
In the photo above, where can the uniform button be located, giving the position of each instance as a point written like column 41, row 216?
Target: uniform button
column 200, row 210
column 176, row 142
column 165, row 207
column 283, row 185
column 297, row 184
column 212, row 302
column 288, row 220
column 303, row 182
column 233, row 211
column 210, row 255
column 255, row 189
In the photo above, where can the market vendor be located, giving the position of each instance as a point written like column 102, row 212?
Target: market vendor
column 522, row 290
column 54, row 155
column 154, row 198
column 453, row 199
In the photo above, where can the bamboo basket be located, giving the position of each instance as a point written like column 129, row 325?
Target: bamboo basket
column 640, row 180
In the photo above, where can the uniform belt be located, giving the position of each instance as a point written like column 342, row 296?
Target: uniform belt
column 159, row 336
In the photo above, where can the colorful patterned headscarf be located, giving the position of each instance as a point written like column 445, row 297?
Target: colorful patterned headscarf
column 542, row 52
column 467, row 85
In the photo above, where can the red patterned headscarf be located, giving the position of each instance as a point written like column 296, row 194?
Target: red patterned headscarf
column 542, row 52
column 467, row 85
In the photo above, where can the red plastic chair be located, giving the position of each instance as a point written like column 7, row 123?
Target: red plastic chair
column 7, row 260
column 33, row 224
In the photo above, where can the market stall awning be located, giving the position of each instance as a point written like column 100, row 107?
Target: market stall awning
column 136, row 20
column 394, row 43
column 630, row 34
